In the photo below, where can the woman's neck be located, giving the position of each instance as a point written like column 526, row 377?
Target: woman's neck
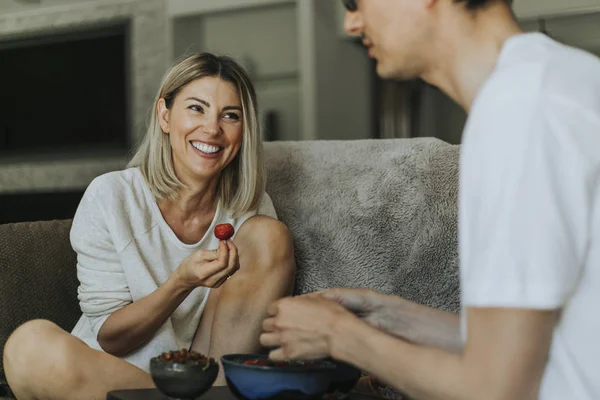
column 198, row 199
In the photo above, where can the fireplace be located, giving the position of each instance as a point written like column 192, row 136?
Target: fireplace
column 38, row 206
column 79, row 78
column 65, row 93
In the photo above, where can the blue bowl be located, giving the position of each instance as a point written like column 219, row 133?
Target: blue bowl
column 255, row 382
column 344, row 379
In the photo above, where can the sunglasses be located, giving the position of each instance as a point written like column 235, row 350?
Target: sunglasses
column 350, row 5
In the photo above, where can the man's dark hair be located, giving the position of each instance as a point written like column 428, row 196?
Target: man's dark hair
column 474, row 4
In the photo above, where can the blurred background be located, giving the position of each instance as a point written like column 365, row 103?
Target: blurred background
column 78, row 78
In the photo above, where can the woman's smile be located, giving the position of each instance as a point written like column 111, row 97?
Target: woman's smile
column 206, row 150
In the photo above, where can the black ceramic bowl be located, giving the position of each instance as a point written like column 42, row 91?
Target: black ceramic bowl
column 183, row 381
column 290, row 382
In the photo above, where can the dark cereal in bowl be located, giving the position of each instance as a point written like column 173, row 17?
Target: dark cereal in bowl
column 184, row 356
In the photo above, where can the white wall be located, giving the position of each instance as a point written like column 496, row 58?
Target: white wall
column 178, row 8
column 188, row 36
column 10, row 6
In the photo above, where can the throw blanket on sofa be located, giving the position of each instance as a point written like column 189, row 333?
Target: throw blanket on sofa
column 378, row 214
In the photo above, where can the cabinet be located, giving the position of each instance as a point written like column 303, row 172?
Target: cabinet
column 581, row 31
column 262, row 40
column 547, row 8
column 311, row 83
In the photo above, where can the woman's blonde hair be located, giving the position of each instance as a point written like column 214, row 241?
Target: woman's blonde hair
column 242, row 182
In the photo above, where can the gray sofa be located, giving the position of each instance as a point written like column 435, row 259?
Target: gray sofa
column 379, row 214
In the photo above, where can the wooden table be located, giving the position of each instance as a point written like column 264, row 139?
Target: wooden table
column 215, row 393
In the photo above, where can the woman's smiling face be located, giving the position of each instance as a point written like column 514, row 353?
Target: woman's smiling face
column 205, row 128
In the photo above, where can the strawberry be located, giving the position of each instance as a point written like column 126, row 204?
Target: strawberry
column 224, row 231
column 259, row 362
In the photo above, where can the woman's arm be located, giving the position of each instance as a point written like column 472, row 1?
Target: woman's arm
column 135, row 324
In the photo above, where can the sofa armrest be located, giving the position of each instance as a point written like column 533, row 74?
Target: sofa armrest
column 38, row 275
column 5, row 393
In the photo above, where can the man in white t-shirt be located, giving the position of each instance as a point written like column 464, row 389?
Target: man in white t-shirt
column 529, row 219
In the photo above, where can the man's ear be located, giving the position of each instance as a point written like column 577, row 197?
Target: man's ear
column 163, row 115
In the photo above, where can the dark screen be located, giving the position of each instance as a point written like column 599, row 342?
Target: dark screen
column 64, row 92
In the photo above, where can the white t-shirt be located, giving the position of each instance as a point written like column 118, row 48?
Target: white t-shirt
column 125, row 250
column 529, row 222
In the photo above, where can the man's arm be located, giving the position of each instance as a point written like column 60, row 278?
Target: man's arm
column 422, row 325
column 402, row 318
column 505, row 356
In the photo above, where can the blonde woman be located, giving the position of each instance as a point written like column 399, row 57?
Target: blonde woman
column 153, row 277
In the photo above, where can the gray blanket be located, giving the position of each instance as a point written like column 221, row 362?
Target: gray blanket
column 378, row 214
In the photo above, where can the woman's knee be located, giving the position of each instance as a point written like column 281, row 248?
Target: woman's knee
column 26, row 337
column 20, row 349
column 35, row 344
column 272, row 238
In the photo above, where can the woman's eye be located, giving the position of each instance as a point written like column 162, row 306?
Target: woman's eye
column 232, row 116
column 196, row 108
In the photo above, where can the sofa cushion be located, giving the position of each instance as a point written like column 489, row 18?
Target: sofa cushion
column 37, row 271
column 378, row 214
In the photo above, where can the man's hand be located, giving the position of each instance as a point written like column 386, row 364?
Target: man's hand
column 302, row 327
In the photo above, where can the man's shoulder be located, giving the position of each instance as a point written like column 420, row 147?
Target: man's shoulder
column 572, row 75
column 541, row 79
column 541, row 93
column 541, row 70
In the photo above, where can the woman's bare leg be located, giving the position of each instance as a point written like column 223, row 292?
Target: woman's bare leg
column 42, row 361
column 232, row 321
column 201, row 342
